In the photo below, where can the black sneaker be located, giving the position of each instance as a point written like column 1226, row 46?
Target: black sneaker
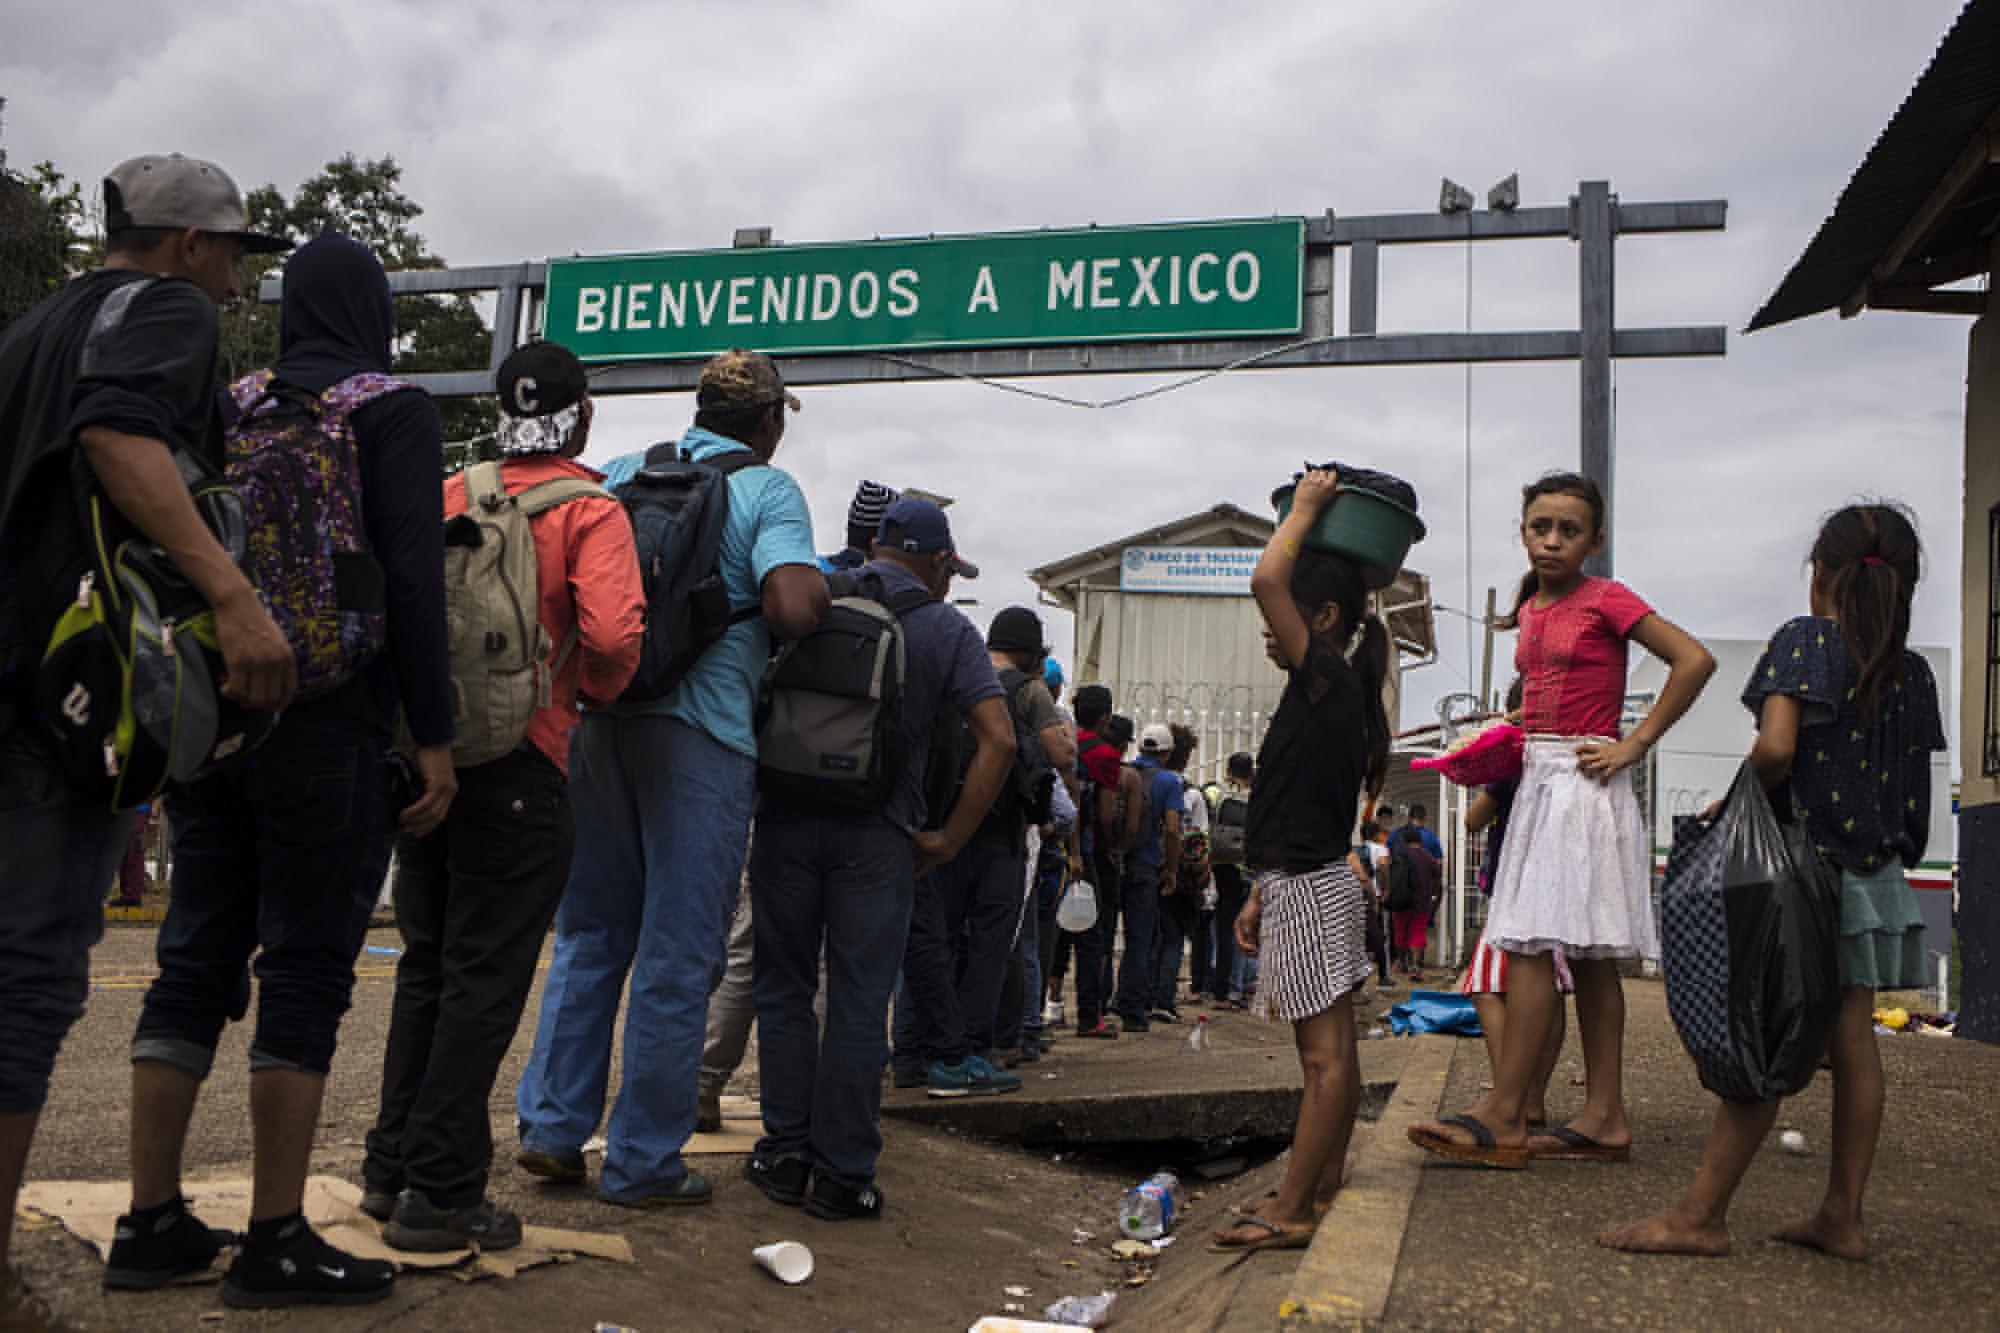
column 1163, row 1014
column 174, row 1247
column 904, row 1077
column 298, row 1268
column 832, row 1201
column 783, row 1180
column 1132, row 1024
column 422, row 1226
column 379, row 1204
column 557, row 1168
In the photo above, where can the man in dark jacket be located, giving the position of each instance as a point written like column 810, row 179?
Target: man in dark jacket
column 283, row 854
column 116, row 370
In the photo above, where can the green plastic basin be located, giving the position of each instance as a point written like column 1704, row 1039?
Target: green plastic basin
column 1373, row 530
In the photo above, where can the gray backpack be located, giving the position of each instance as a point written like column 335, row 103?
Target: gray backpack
column 501, row 669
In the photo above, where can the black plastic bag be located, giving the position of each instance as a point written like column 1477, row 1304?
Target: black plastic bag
column 1749, row 924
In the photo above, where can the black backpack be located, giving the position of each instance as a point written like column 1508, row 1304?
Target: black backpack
column 1402, row 893
column 1027, row 797
column 830, row 733
column 1230, row 837
column 678, row 508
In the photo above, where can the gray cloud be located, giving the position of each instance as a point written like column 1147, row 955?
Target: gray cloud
column 527, row 132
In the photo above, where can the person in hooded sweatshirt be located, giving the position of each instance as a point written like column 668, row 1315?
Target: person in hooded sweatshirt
column 280, row 856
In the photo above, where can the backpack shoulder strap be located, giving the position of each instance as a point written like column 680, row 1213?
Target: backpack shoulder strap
column 546, row 495
column 357, row 391
column 734, row 461
column 485, row 489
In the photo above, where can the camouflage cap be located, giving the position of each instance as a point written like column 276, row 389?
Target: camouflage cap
column 738, row 379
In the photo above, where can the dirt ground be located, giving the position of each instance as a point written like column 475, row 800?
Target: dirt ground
column 966, row 1220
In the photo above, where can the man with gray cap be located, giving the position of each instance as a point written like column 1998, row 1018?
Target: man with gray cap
column 661, row 791
column 116, row 371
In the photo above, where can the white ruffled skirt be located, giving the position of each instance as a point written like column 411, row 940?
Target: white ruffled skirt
column 1574, row 868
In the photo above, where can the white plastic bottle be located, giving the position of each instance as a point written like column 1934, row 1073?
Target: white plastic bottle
column 1150, row 1210
column 1197, row 1041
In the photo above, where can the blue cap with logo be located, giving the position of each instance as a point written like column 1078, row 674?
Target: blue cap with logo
column 920, row 527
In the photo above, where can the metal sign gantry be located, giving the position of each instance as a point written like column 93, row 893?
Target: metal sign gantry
column 1594, row 218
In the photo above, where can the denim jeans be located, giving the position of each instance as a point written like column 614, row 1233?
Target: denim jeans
column 473, row 901
column 1094, row 948
column 1179, row 919
column 1142, row 936
column 662, row 820
column 845, row 885
column 280, row 857
column 1230, row 886
column 62, row 849
column 977, row 893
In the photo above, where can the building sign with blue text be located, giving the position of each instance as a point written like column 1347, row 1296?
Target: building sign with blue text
column 1100, row 284
column 1217, row 570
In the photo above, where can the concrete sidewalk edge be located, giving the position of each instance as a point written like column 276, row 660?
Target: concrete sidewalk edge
column 1347, row 1273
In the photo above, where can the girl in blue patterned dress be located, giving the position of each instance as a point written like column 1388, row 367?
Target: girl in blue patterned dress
column 1849, row 716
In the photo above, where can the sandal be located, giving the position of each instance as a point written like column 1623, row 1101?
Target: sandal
column 1280, row 1237
column 1482, row 1151
column 1575, row 1146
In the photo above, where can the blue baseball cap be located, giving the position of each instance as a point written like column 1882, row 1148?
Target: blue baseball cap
column 1052, row 675
column 920, row 527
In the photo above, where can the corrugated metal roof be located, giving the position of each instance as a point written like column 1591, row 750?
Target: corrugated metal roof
column 1949, row 104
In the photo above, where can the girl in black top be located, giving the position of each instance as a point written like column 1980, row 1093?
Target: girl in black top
column 1307, row 913
column 1847, row 716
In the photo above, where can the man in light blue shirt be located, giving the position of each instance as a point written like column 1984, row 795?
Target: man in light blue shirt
column 662, row 792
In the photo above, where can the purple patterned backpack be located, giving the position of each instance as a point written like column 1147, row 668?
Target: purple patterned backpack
column 293, row 458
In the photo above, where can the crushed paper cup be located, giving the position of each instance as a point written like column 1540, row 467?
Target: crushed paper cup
column 786, row 1260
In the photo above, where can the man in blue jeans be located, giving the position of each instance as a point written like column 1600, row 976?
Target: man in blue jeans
column 1151, row 867
column 845, row 882
column 125, row 400
column 661, row 795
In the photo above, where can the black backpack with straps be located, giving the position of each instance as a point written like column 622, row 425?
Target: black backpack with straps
column 830, row 731
column 678, row 508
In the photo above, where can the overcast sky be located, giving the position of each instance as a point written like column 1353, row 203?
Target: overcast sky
column 529, row 130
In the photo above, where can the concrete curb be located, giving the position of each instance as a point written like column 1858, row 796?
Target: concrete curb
column 1346, row 1276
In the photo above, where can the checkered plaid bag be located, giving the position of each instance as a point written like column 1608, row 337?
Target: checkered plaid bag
column 1749, row 921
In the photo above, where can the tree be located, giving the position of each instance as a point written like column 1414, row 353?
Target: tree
column 42, row 236
column 363, row 199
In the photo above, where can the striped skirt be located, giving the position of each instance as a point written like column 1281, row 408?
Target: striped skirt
column 1312, row 940
column 1486, row 974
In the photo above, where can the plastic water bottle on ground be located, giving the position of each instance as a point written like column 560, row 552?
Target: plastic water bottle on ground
column 1197, row 1041
column 1082, row 1311
column 1152, row 1207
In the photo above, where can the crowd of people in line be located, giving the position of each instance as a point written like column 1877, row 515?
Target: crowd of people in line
column 699, row 893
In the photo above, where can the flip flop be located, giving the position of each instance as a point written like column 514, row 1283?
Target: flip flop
column 1482, row 1151
column 1281, row 1237
column 1320, row 1208
column 1576, row 1146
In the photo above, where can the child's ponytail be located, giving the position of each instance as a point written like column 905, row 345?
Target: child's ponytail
column 1867, row 561
column 1371, row 663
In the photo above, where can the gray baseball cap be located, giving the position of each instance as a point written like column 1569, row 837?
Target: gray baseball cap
column 168, row 190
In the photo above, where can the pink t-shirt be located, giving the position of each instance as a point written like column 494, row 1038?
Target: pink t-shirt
column 1571, row 659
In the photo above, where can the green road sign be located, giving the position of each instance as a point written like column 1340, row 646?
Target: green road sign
column 1111, row 284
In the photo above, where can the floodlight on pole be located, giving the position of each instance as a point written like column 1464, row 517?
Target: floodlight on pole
column 1506, row 196
column 1454, row 198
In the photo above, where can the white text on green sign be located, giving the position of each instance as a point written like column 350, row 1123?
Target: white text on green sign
column 1198, row 280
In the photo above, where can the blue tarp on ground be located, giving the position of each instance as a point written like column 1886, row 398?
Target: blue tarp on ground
column 1435, row 1011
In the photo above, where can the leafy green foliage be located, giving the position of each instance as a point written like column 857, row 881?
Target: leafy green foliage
column 42, row 236
column 363, row 199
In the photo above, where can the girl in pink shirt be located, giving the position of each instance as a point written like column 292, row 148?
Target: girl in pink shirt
column 1573, row 872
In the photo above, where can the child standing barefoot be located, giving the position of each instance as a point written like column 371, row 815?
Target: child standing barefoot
column 1849, row 717
column 1306, row 912
column 1573, row 872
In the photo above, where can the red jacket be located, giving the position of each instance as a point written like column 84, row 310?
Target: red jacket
column 588, row 581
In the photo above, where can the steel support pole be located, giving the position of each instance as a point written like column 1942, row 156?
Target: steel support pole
column 1595, row 209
